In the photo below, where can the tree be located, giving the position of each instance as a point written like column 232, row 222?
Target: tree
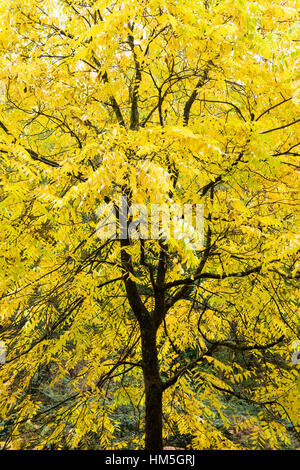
column 164, row 103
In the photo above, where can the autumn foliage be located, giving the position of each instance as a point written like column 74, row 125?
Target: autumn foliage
column 167, row 103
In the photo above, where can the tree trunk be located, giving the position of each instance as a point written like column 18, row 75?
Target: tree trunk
column 153, row 390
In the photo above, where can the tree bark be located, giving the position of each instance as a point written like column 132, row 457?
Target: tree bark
column 153, row 390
